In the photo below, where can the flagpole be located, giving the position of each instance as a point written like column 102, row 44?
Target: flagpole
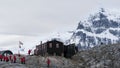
column 19, row 49
column 18, row 53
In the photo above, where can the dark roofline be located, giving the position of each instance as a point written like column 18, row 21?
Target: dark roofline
column 2, row 52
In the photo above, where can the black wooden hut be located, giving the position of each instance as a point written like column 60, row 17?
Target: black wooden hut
column 53, row 47
column 57, row 48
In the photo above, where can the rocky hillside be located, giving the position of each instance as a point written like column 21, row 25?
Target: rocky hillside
column 102, row 26
column 105, row 56
column 40, row 62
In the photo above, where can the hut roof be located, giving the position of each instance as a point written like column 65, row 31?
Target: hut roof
column 5, row 51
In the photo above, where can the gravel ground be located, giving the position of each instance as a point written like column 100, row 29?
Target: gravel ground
column 39, row 62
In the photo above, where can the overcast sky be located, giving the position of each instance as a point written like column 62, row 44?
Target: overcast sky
column 32, row 20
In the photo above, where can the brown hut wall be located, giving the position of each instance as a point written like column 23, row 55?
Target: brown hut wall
column 54, row 50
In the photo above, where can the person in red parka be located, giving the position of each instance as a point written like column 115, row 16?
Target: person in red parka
column 29, row 51
column 6, row 58
column 14, row 59
column 1, row 57
column 48, row 62
column 10, row 57
column 22, row 60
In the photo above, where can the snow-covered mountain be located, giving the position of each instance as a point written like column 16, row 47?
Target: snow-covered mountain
column 101, row 27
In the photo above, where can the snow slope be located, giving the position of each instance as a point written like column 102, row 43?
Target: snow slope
column 101, row 27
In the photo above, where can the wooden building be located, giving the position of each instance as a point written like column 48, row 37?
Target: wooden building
column 55, row 48
column 52, row 47
column 41, row 49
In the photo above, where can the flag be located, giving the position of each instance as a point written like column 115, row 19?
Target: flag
column 20, row 43
column 21, row 47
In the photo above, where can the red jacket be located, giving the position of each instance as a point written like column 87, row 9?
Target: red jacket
column 6, row 58
column 23, row 59
column 1, row 56
column 14, row 57
column 29, row 51
column 48, row 61
column 10, row 57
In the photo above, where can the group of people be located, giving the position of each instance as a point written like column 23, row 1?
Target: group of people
column 12, row 58
column 15, row 58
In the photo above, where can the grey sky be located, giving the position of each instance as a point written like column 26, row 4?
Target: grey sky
column 33, row 19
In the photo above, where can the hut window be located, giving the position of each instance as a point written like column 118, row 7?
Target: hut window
column 50, row 45
column 57, row 45
column 43, row 46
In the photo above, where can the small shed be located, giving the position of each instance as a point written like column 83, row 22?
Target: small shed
column 6, row 52
column 70, row 50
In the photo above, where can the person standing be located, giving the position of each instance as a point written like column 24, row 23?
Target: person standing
column 1, row 57
column 14, row 59
column 48, row 62
column 29, row 51
column 10, row 57
column 23, row 60
column 6, row 59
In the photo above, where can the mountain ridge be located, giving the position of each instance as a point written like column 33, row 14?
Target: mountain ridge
column 102, row 27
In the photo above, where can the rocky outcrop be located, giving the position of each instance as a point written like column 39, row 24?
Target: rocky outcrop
column 105, row 56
